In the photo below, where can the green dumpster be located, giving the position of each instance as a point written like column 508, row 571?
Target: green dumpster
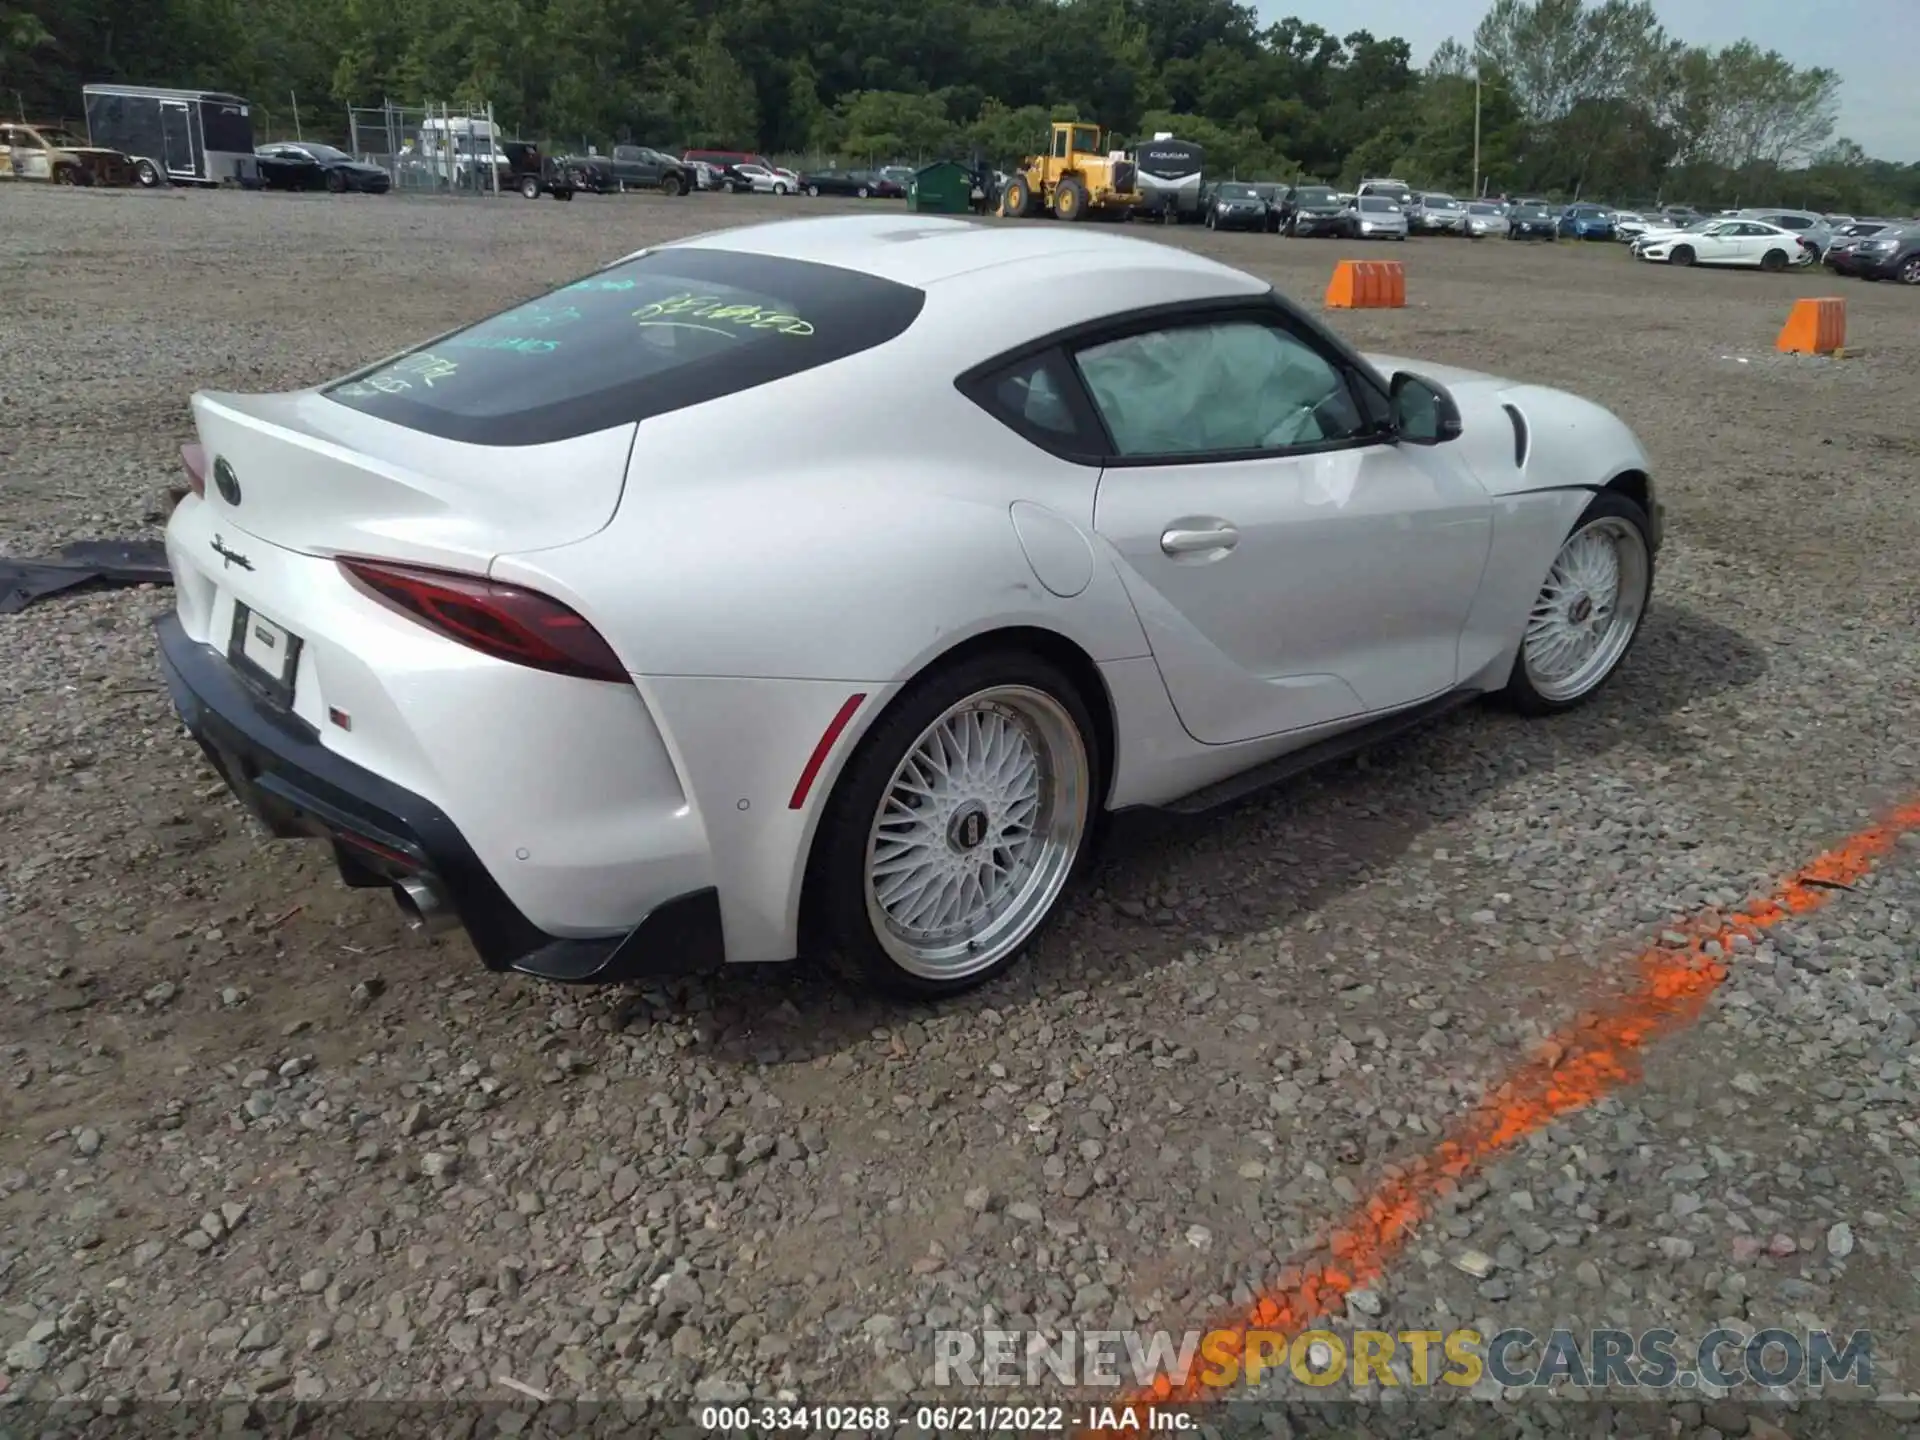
column 942, row 188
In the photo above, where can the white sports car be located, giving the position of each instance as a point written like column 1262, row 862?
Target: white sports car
column 532, row 627
column 1727, row 242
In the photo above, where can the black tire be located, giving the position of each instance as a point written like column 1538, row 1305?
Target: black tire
column 336, row 183
column 1520, row 693
column 861, row 192
column 670, row 185
column 1019, row 197
column 1774, row 261
column 813, row 192
column 1680, row 255
column 147, row 174
column 1070, row 199
column 530, row 187
column 835, row 919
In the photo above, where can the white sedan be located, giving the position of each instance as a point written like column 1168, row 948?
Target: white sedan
column 530, row 626
column 1728, row 242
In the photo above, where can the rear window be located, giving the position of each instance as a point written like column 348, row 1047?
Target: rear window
column 664, row 330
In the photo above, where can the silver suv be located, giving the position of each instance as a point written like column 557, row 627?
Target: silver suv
column 1809, row 227
column 1398, row 191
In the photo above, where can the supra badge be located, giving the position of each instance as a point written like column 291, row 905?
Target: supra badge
column 230, row 557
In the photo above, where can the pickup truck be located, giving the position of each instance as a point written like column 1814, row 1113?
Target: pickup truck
column 637, row 167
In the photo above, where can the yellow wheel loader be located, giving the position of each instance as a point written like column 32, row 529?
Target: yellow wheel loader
column 1075, row 178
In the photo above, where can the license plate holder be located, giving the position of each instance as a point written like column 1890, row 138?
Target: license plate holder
column 265, row 653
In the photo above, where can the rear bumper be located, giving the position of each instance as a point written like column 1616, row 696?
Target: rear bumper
column 382, row 833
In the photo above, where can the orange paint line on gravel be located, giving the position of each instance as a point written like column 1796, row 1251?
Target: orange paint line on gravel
column 1580, row 1063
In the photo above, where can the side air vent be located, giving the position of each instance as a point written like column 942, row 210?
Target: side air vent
column 1521, row 438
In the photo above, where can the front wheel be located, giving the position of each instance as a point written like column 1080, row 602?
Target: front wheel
column 861, row 192
column 779, row 189
column 530, row 187
column 147, row 173
column 956, row 827
column 813, row 192
column 1587, row 613
column 1680, row 255
column 1910, row 271
column 670, row 185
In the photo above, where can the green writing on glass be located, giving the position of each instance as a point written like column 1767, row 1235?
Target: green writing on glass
column 711, row 310
column 517, row 343
column 595, row 282
column 399, row 377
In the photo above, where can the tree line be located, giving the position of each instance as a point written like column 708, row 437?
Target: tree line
column 1573, row 98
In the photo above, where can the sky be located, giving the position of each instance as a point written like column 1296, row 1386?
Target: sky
column 1879, row 100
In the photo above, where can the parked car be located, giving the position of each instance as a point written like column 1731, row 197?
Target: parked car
column 1890, row 254
column 1438, row 214
column 1486, row 219
column 1312, row 210
column 1395, row 190
column 1629, row 223
column 706, row 176
column 494, row 680
column 640, row 167
column 1237, row 206
column 1531, row 220
column 1731, row 242
column 562, row 177
column 837, row 182
column 1586, row 222
column 47, row 152
column 1376, row 217
column 760, row 179
column 305, row 165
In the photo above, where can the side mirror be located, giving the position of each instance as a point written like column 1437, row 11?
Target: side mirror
column 1423, row 412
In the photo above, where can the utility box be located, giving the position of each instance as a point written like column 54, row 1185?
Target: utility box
column 942, row 188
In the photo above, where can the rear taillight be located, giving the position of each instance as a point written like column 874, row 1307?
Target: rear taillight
column 194, row 459
column 503, row 621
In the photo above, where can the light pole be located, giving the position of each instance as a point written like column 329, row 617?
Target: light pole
column 1476, row 129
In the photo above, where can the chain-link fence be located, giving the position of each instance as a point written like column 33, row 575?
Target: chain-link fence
column 448, row 149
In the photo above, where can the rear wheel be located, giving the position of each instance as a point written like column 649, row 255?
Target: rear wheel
column 956, row 828
column 861, row 192
column 147, row 173
column 1070, row 199
column 530, row 187
column 813, row 191
column 1774, row 261
column 1587, row 613
column 66, row 175
column 1910, row 270
column 779, row 188
column 336, row 183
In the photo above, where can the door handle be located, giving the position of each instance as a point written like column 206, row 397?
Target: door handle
column 1191, row 542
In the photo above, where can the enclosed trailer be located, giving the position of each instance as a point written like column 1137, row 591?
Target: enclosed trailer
column 175, row 137
column 1171, row 177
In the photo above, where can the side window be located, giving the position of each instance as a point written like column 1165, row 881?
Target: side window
column 1059, row 144
column 1034, row 397
column 1235, row 385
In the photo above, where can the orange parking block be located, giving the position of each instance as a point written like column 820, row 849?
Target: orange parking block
column 1815, row 327
column 1368, row 285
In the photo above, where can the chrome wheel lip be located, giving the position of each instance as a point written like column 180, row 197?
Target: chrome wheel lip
column 1601, row 572
column 1062, row 775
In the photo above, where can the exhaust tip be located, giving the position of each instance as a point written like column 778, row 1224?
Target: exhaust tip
column 424, row 906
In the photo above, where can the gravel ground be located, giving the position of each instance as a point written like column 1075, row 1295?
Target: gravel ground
column 260, row 1142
